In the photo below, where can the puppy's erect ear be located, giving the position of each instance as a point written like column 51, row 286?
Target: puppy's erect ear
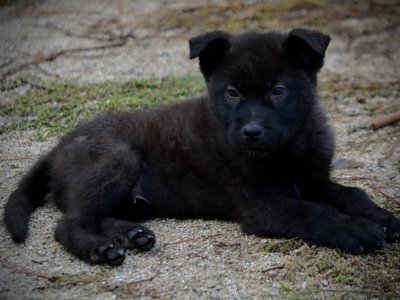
column 307, row 47
column 209, row 48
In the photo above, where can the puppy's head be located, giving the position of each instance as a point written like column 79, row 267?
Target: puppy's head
column 261, row 85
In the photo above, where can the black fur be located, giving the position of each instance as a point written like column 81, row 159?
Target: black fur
column 257, row 149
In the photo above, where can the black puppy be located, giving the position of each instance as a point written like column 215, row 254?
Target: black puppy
column 257, row 150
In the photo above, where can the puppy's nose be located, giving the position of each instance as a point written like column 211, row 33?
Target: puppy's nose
column 252, row 132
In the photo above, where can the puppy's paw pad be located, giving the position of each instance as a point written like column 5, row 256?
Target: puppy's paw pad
column 141, row 238
column 110, row 254
column 145, row 243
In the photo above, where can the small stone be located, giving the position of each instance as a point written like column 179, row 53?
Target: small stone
column 304, row 285
column 344, row 163
column 339, row 98
column 361, row 100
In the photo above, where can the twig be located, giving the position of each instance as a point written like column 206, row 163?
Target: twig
column 110, row 36
column 390, row 151
column 395, row 200
column 196, row 255
column 277, row 267
column 51, row 12
column 6, row 63
column 320, row 277
column 145, row 279
column 345, row 291
column 225, row 245
column 47, row 73
column 15, row 158
column 43, row 58
column 379, row 190
column 352, row 178
column 385, row 120
column 369, row 262
column 389, row 197
column 192, row 239
column 181, row 264
column 29, row 273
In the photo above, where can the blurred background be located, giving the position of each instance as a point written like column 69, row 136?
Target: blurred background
column 153, row 34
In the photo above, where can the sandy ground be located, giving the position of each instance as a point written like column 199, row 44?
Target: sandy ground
column 192, row 259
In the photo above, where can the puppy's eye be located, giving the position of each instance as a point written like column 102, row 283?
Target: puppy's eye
column 278, row 90
column 232, row 93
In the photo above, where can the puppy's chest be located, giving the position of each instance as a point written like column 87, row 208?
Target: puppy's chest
column 275, row 175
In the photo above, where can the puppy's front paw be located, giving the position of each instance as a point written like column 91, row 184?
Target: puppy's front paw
column 392, row 230
column 389, row 223
column 358, row 236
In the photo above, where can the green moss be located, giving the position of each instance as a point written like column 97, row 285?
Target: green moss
column 313, row 271
column 336, row 85
column 95, row 283
column 232, row 16
column 397, row 165
column 282, row 246
column 54, row 107
column 356, row 128
column 239, row 15
column 78, row 279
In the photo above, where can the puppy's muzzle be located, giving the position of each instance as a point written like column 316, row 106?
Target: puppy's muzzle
column 252, row 133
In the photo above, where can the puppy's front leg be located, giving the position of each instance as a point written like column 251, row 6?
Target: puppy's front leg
column 278, row 216
column 355, row 202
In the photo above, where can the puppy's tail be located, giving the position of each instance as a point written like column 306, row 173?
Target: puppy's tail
column 29, row 194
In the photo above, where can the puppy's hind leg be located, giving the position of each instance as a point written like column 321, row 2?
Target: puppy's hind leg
column 79, row 236
column 93, row 195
